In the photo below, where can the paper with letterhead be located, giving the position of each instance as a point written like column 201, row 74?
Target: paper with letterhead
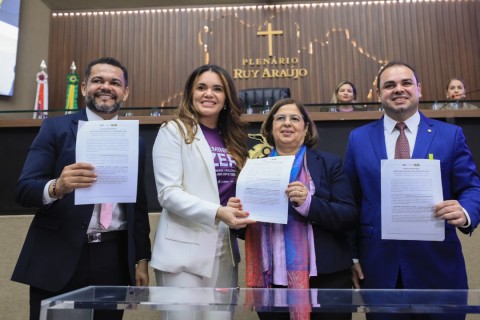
column 410, row 189
column 261, row 187
column 112, row 148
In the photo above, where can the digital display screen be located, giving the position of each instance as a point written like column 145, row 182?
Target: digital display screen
column 9, row 20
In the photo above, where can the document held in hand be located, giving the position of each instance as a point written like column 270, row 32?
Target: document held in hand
column 112, row 148
column 261, row 187
column 410, row 190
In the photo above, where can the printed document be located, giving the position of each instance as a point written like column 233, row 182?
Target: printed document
column 112, row 148
column 410, row 190
column 261, row 187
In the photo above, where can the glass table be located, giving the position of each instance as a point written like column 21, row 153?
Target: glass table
column 80, row 304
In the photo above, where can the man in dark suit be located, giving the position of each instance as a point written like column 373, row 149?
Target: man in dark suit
column 66, row 247
column 406, row 263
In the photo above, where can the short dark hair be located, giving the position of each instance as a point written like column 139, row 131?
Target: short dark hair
column 392, row 64
column 110, row 61
column 311, row 137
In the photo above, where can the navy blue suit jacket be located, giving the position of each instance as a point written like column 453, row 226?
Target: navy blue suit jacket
column 332, row 212
column 423, row 264
column 55, row 238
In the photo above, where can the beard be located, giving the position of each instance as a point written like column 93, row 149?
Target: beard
column 102, row 108
column 408, row 109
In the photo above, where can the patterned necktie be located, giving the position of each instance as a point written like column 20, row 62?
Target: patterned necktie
column 402, row 149
column 106, row 210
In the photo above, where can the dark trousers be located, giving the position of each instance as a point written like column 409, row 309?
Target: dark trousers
column 337, row 280
column 416, row 316
column 101, row 264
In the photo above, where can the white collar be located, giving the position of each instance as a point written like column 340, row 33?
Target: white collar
column 412, row 123
column 92, row 116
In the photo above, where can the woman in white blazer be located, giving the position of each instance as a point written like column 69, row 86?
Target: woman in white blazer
column 196, row 160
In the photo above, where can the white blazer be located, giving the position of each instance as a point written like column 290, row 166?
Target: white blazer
column 187, row 234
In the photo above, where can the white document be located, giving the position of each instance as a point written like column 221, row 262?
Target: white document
column 261, row 187
column 112, row 148
column 410, row 190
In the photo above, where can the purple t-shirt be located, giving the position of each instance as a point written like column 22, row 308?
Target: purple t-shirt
column 225, row 165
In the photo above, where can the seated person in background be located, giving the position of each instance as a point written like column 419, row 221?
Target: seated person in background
column 456, row 92
column 345, row 92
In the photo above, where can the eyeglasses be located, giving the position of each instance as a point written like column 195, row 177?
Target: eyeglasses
column 294, row 118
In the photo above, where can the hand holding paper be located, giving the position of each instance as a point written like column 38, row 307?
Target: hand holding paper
column 112, row 148
column 233, row 216
column 261, row 186
column 410, row 190
column 452, row 212
column 297, row 193
column 75, row 176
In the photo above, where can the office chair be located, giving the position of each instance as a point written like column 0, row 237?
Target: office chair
column 263, row 96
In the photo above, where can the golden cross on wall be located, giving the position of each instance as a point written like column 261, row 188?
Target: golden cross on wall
column 269, row 33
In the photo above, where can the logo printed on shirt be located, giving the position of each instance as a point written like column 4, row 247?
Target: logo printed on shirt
column 222, row 159
column 225, row 165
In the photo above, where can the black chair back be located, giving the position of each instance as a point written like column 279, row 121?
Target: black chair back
column 260, row 96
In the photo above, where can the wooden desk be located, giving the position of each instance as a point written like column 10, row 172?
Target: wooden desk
column 17, row 134
column 13, row 120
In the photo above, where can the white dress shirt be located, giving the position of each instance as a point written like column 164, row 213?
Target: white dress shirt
column 391, row 135
column 118, row 216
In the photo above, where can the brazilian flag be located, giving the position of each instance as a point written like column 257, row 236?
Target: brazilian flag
column 71, row 103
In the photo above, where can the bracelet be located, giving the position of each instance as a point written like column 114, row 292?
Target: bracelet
column 147, row 260
column 54, row 190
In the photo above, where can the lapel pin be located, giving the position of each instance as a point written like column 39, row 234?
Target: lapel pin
column 429, row 130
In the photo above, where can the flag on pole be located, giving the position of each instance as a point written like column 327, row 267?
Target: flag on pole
column 41, row 99
column 73, row 79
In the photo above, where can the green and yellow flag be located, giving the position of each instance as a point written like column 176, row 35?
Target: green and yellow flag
column 73, row 79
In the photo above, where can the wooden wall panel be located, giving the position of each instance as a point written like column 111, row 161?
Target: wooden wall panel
column 333, row 41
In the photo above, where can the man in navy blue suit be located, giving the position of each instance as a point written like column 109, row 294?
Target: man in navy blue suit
column 388, row 264
column 66, row 247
